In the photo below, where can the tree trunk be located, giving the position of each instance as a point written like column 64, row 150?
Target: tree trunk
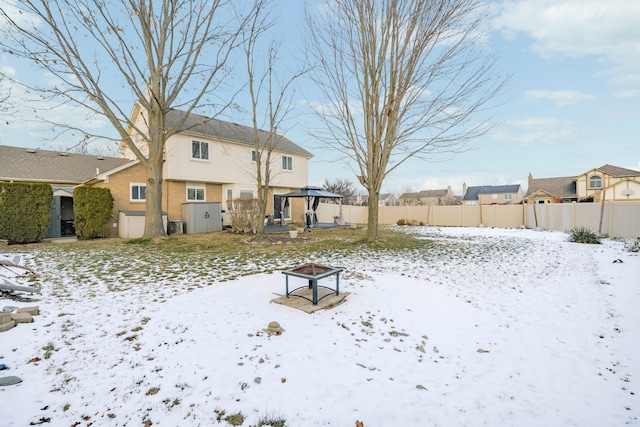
column 372, row 221
column 153, row 224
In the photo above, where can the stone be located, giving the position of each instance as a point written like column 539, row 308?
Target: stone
column 5, row 381
column 7, row 326
column 34, row 311
column 22, row 317
column 274, row 328
column 5, row 317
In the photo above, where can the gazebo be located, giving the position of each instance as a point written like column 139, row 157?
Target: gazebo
column 312, row 196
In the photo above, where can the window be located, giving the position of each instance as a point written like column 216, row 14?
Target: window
column 195, row 194
column 199, row 150
column 595, row 182
column 246, row 194
column 255, row 156
column 137, row 192
column 508, row 196
column 287, row 163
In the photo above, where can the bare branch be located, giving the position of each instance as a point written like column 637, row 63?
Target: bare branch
column 401, row 79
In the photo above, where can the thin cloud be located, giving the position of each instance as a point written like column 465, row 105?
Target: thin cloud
column 607, row 30
column 532, row 131
column 562, row 98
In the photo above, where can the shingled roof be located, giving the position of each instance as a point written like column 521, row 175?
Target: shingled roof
column 208, row 126
column 35, row 165
column 564, row 186
column 618, row 172
column 473, row 192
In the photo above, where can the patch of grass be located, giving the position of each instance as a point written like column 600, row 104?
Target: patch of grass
column 138, row 241
column 152, row 391
column 48, row 350
column 583, row 235
column 235, row 419
column 272, row 420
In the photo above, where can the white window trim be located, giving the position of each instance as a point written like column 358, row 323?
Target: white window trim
column 197, row 159
column 599, row 180
column 137, row 184
column 196, row 187
column 508, row 196
column 282, row 161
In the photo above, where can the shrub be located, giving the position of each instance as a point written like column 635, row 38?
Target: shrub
column 583, row 235
column 244, row 215
column 24, row 211
column 92, row 207
column 633, row 246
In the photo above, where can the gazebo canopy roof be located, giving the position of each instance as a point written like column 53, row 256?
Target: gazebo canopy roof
column 313, row 192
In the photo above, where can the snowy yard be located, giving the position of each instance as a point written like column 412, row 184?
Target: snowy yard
column 487, row 327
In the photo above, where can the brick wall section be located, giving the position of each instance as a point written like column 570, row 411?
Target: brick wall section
column 174, row 193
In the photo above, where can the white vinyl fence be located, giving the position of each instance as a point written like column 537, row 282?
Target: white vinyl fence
column 614, row 219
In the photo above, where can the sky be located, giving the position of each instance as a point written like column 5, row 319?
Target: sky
column 572, row 102
column 422, row 339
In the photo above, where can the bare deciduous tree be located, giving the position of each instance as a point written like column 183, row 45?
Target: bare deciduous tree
column 341, row 186
column 402, row 79
column 270, row 96
column 163, row 55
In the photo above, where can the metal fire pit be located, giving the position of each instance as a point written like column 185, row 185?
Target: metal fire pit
column 313, row 272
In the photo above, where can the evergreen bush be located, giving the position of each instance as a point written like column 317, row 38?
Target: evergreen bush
column 24, row 211
column 92, row 207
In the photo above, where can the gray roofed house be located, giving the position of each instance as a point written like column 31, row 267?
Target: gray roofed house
column 53, row 167
column 197, row 124
column 493, row 194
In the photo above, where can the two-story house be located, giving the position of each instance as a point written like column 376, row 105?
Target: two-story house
column 611, row 183
column 492, row 195
column 443, row 197
column 607, row 182
column 209, row 161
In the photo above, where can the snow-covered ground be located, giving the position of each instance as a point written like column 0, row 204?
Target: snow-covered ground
column 488, row 328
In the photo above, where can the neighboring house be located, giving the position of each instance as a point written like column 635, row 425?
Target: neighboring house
column 428, row 197
column 63, row 171
column 612, row 182
column 209, row 161
column 492, row 195
column 551, row 190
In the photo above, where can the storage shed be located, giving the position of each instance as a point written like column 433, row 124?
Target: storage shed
column 202, row 217
column 131, row 224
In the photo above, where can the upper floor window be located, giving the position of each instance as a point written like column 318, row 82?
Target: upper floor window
column 195, row 194
column 255, row 156
column 200, row 150
column 508, row 196
column 595, row 182
column 287, row 163
column 137, row 192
